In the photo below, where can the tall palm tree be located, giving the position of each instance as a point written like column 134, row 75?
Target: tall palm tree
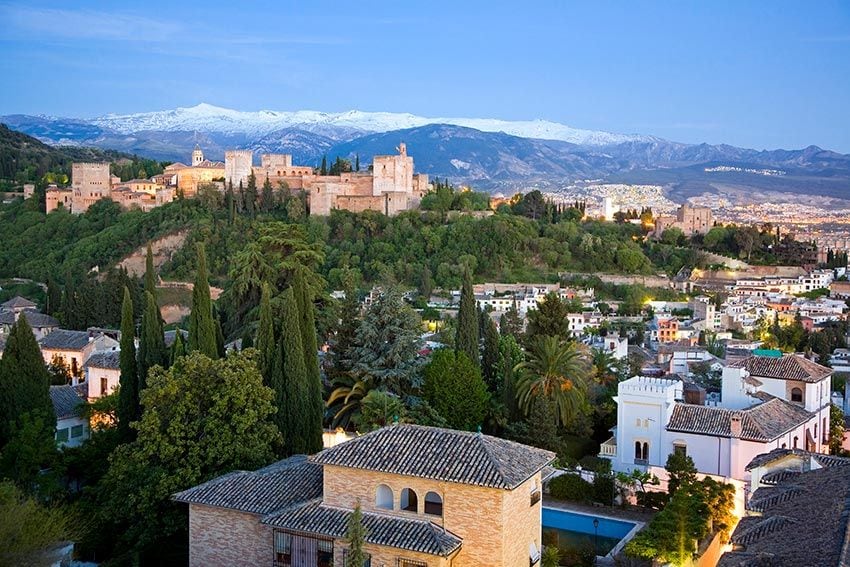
column 606, row 368
column 556, row 369
column 346, row 397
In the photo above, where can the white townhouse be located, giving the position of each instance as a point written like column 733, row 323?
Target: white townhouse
column 768, row 402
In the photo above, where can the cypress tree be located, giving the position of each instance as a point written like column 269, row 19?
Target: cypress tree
column 490, row 356
column 357, row 162
column 265, row 336
column 128, row 395
column 291, row 381
column 230, row 203
column 219, row 334
column 152, row 349
column 202, row 333
column 324, row 169
column 178, row 348
column 54, row 297
column 307, row 323
column 267, row 196
column 70, row 316
column 355, row 536
column 467, row 321
column 251, row 195
column 150, row 274
column 24, row 380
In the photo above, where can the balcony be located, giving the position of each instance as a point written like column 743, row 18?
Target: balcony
column 609, row 448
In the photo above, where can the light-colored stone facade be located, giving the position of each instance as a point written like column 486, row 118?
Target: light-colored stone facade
column 497, row 526
column 689, row 219
column 90, row 182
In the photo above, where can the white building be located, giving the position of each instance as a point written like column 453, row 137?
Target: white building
column 71, row 428
column 767, row 403
column 103, row 374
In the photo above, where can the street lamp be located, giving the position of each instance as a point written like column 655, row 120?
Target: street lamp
column 596, row 536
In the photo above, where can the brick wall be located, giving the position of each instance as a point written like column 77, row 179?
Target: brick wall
column 496, row 525
column 225, row 537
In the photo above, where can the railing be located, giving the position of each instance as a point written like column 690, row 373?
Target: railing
column 608, row 448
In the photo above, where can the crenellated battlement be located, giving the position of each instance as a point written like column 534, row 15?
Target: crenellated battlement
column 649, row 385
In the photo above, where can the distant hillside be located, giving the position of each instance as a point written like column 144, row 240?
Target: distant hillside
column 26, row 159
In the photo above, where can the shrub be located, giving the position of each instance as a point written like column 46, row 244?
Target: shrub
column 603, row 489
column 571, row 487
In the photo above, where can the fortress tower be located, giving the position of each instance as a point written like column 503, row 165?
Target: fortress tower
column 197, row 155
column 237, row 166
column 90, row 183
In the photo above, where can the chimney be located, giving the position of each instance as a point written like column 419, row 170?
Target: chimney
column 735, row 426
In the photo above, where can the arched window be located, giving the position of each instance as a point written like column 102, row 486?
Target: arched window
column 796, row 395
column 433, row 504
column 384, row 497
column 409, row 501
column 784, row 445
column 638, row 452
column 645, row 451
column 796, row 440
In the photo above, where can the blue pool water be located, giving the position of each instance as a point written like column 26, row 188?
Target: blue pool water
column 572, row 530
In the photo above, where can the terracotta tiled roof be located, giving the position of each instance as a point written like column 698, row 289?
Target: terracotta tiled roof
column 18, row 302
column 440, row 454
column 66, row 401
column 283, row 484
column 777, row 454
column 410, row 534
column 61, row 339
column 803, row 521
column 110, row 360
column 787, row 367
column 763, row 422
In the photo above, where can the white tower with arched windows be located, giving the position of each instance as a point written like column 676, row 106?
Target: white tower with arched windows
column 197, row 155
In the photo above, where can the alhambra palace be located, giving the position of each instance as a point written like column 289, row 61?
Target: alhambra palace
column 390, row 187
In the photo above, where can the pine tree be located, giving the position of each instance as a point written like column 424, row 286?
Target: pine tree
column 266, row 342
column 355, row 536
column 152, row 349
column 467, row 321
column 290, row 381
column 202, row 334
column 511, row 323
column 128, row 395
column 307, row 323
column 490, row 355
column 24, row 381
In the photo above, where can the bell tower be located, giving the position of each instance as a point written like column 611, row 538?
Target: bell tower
column 197, row 155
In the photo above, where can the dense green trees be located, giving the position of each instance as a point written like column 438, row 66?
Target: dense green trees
column 202, row 418
column 152, row 350
column 550, row 318
column 453, row 386
column 29, row 530
column 314, row 405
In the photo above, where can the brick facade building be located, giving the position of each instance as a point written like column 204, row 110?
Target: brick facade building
column 430, row 497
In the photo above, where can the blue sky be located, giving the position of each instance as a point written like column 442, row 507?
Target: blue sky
column 754, row 74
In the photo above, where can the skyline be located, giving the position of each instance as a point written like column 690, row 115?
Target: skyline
column 763, row 76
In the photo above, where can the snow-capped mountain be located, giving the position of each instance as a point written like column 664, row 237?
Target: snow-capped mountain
column 340, row 126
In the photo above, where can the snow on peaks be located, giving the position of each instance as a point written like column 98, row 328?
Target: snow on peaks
column 206, row 117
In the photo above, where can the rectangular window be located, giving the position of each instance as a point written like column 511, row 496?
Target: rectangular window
column 411, row 563
column 104, row 384
column 325, row 553
column 62, row 435
column 535, row 497
column 76, row 431
column 681, row 450
column 367, row 563
column 282, row 549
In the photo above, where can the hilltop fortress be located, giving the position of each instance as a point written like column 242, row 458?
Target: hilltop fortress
column 391, row 186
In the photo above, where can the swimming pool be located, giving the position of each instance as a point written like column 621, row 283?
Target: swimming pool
column 574, row 530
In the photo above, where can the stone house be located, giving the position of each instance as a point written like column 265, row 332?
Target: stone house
column 102, row 373
column 75, row 348
column 430, row 497
column 17, row 307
